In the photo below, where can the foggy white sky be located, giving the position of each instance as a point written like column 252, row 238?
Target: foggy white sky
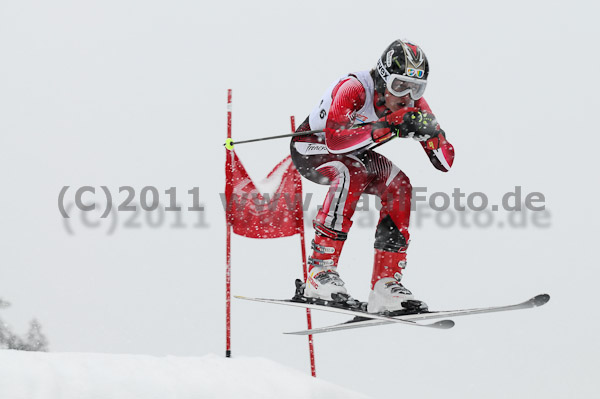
column 133, row 93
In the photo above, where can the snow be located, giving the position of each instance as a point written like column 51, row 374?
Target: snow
column 29, row 375
column 270, row 184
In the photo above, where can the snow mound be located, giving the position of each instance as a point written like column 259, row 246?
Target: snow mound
column 32, row 375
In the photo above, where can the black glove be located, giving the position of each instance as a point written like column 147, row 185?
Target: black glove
column 420, row 125
column 390, row 125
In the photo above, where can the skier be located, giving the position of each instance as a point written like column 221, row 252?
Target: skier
column 390, row 99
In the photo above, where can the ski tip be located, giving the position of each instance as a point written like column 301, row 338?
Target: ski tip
column 245, row 297
column 297, row 333
column 540, row 300
column 443, row 324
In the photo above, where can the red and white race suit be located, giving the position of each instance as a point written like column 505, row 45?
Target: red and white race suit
column 340, row 157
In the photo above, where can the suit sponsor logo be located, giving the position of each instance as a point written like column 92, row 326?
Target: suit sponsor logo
column 433, row 143
column 362, row 118
column 316, row 147
column 311, row 148
column 351, row 115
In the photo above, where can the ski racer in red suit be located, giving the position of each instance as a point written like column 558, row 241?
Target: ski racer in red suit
column 357, row 112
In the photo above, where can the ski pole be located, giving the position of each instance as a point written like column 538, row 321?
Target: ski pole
column 229, row 143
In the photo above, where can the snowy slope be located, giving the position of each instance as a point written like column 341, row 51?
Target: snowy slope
column 29, row 375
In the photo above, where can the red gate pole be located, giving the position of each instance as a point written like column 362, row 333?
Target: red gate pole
column 228, row 166
column 311, row 348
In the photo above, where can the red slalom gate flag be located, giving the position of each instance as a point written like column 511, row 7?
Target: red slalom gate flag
column 276, row 211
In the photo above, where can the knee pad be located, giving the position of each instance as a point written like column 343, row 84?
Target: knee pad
column 389, row 238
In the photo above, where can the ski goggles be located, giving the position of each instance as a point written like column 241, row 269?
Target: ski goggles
column 400, row 85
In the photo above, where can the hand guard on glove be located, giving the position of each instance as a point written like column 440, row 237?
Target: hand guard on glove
column 390, row 126
column 420, row 126
column 407, row 122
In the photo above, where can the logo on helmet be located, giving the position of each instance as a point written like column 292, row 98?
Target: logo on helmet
column 413, row 72
column 382, row 71
column 413, row 54
column 388, row 58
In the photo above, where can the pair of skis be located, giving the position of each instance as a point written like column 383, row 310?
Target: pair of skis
column 364, row 319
